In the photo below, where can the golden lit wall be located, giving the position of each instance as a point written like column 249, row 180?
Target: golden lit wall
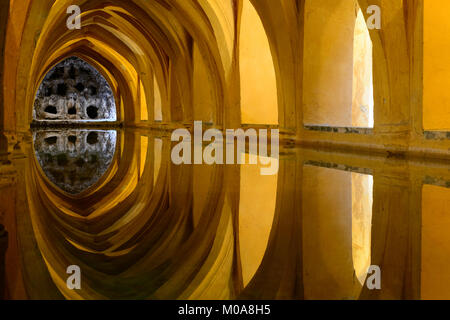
column 255, row 217
column 328, row 62
column 337, row 208
column 327, row 242
column 435, row 277
column 338, row 65
column 436, row 96
column 258, row 82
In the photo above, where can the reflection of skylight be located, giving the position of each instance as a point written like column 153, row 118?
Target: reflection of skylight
column 362, row 203
column 74, row 91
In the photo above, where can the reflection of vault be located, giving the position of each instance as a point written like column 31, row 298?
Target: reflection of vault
column 159, row 230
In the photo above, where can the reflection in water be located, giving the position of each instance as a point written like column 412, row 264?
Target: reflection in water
column 337, row 203
column 3, row 248
column 155, row 230
column 74, row 160
column 435, row 281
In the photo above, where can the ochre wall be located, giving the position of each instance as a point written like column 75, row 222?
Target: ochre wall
column 436, row 78
column 337, row 65
column 435, row 276
column 328, row 62
column 255, row 217
column 327, row 242
column 259, row 103
column 337, row 208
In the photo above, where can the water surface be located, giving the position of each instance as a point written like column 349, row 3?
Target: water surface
column 140, row 227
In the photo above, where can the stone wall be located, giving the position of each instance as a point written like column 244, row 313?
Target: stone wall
column 73, row 90
column 74, row 160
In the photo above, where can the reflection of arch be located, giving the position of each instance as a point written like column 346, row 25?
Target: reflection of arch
column 110, row 239
column 259, row 99
column 435, row 241
column 255, row 218
column 142, row 236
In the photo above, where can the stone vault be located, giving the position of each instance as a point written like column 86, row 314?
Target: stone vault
column 74, row 91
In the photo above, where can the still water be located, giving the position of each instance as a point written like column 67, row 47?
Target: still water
column 140, row 227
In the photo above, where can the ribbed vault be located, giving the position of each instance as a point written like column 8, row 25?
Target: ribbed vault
column 131, row 43
column 148, row 228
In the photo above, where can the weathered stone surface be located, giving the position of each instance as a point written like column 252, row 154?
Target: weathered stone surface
column 74, row 160
column 74, row 90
